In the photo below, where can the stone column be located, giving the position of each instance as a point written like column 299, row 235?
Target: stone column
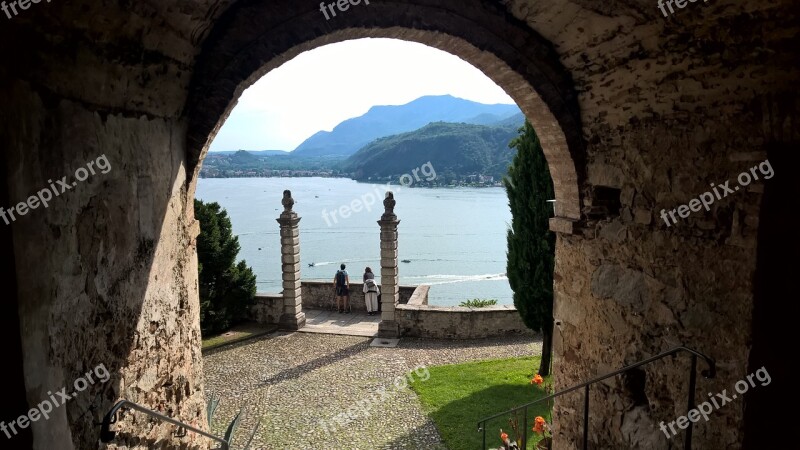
column 293, row 317
column 390, row 291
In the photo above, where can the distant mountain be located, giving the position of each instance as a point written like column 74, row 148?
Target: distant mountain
column 380, row 121
column 246, row 164
column 253, row 152
column 487, row 119
column 517, row 120
column 453, row 149
column 243, row 158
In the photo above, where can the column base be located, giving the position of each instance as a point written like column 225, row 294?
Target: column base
column 292, row 322
column 388, row 329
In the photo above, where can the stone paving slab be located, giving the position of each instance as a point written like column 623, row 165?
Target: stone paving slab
column 332, row 322
column 384, row 342
column 297, row 384
column 312, row 313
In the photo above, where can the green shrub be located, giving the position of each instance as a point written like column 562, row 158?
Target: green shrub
column 233, row 426
column 479, row 302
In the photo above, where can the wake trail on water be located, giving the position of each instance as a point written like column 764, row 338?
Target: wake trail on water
column 445, row 279
column 328, row 263
column 450, row 279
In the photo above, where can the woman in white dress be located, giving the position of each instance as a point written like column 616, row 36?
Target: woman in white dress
column 371, row 291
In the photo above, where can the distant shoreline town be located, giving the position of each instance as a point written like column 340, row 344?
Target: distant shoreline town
column 457, row 181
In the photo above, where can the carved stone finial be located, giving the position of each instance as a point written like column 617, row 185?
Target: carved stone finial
column 389, row 202
column 287, row 201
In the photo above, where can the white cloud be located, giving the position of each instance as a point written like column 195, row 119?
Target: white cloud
column 323, row 87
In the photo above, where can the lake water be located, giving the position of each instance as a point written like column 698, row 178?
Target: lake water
column 455, row 238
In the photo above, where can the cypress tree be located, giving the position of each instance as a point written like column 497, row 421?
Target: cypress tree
column 531, row 244
column 227, row 289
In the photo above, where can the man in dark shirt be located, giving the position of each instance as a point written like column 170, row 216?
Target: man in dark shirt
column 341, row 281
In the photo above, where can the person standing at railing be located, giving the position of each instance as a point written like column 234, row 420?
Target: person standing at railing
column 371, row 291
column 342, row 284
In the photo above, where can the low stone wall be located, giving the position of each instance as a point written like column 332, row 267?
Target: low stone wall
column 268, row 308
column 418, row 319
column 406, row 292
column 320, row 295
column 316, row 295
column 415, row 317
column 420, row 295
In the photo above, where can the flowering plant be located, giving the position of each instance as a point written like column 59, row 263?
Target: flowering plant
column 540, row 425
column 507, row 443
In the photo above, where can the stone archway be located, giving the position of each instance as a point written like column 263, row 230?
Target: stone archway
column 653, row 111
column 236, row 56
column 511, row 54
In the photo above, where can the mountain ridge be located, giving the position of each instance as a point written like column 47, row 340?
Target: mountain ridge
column 455, row 150
column 385, row 120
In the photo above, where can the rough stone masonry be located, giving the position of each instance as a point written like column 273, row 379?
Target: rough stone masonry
column 635, row 113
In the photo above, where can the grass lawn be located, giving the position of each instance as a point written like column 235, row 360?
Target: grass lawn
column 457, row 396
column 238, row 333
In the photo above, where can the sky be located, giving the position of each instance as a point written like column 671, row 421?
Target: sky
column 321, row 88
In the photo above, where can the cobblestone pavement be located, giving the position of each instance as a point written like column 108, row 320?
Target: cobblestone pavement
column 297, row 383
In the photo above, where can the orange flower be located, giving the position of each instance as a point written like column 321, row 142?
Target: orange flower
column 503, row 436
column 538, row 424
column 538, row 380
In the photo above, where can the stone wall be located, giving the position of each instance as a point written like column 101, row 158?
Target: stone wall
column 107, row 274
column 420, row 296
column 268, row 308
column 415, row 316
column 320, row 295
column 664, row 118
column 316, row 295
column 418, row 319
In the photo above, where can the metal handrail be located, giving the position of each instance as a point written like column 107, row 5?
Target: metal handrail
column 709, row 373
column 106, row 435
